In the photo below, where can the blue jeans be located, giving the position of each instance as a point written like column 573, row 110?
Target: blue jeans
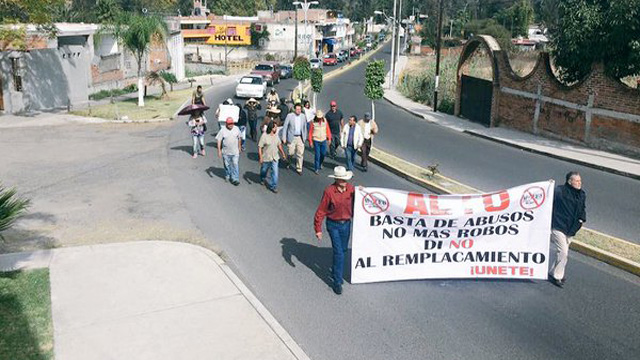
column 264, row 169
column 339, row 233
column 231, row 167
column 320, row 149
column 350, row 154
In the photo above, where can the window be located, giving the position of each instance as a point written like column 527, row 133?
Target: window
column 231, row 30
column 16, row 73
column 264, row 67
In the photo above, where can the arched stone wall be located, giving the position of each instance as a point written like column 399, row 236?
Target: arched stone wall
column 598, row 111
column 494, row 53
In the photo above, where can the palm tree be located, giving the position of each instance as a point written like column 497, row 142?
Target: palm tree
column 136, row 33
column 155, row 77
column 11, row 208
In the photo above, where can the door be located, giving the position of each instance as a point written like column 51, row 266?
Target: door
column 475, row 99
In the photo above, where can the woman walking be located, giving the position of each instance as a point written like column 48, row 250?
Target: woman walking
column 319, row 138
column 197, row 124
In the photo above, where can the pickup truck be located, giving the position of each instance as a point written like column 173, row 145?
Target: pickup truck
column 269, row 70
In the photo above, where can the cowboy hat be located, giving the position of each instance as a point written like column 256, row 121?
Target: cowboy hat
column 274, row 110
column 341, row 173
column 319, row 114
column 252, row 100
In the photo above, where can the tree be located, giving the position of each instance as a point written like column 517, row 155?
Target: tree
column 301, row 72
column 16, row 12
column 592, row 31
column 108, row 11
column 237, row 7
column 169, row 78
column 489, row 27
column 136, row 33
column 374, row 78
column 518, row 17
column 11, row 208
column 256, row 36
column 316, row 84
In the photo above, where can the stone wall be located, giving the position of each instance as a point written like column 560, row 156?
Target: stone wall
column 599, row 111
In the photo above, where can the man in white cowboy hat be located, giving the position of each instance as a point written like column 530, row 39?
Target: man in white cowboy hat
column 294, row 134
column 337, row 206
column 252, row 106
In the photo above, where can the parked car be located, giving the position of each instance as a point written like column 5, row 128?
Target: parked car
column 251, row 86
column 316, row 63
column 286, row 71
column 359, row 50
column 343, row 55
column 353, row 52
column 269, row 70
column 330, row 59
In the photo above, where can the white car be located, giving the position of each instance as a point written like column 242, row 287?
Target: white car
column 316, row 63
column 251, row 86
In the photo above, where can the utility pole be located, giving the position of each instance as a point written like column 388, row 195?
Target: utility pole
column 398, row 19
column 438, row 46
column 393, row 48
column 295, row 44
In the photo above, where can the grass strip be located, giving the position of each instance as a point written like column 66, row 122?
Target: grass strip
column 155, row 108
column 26, row 330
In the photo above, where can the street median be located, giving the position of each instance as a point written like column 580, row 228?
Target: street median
column 614, row 251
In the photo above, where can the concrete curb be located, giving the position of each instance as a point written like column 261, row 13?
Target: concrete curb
column 605, row 256
column 585, row 249
column 555, row 156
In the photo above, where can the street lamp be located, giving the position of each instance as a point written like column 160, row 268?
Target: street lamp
column 305, row 5
column 393, row 40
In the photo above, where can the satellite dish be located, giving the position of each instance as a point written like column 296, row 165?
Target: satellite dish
column 144, row 10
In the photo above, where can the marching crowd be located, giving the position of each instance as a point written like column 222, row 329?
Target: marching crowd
column 296, row 128
column 327, row 132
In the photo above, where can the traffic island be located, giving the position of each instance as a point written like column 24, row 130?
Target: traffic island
column 155, row 109
column 614, row 251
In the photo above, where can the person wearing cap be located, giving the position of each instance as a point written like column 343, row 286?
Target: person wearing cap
column 294, row 134
column 269, row 150
column 351, row 140
column 369, row 128
column 272, row 98
column 229, row 148
column 337, row 206
column 252, row 106
column 319, row 137
column 336, row 122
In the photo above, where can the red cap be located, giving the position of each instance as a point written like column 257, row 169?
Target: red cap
column 229, row 120
column 333, row 103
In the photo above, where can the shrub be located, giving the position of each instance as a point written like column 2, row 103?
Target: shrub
column 270, row 57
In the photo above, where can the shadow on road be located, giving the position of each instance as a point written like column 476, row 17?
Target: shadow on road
column 185, row 148
column 318, row 259
column 216, row 171
column 251, row 177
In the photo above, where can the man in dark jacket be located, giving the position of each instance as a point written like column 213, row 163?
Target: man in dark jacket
column 284, row 110
column 242, row 125
column 569, row 212
column 252, row 107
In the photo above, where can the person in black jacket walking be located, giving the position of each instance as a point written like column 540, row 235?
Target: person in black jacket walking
column 569, row 212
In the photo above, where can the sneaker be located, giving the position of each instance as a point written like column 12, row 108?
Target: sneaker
column 315, row 172
column 235, row 183
column 194, row 155
column 203, row 153
column 556, row 282
column 274, row 190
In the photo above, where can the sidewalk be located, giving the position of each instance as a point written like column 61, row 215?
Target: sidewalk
column 598, row 159
column 153, row 300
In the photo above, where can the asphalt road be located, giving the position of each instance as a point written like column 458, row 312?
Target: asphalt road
column 612, row 200
column 268, row 240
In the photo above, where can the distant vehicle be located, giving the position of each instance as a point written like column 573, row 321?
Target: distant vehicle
column 286, row 71
column 316, row 63
column 359, row 50
column 343, row 55
column 353, row 52
column 330, row 59
column 251, row 86
column 270, row 71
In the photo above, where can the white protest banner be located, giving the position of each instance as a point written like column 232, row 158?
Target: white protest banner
column 226, row 111
column 398, row 235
